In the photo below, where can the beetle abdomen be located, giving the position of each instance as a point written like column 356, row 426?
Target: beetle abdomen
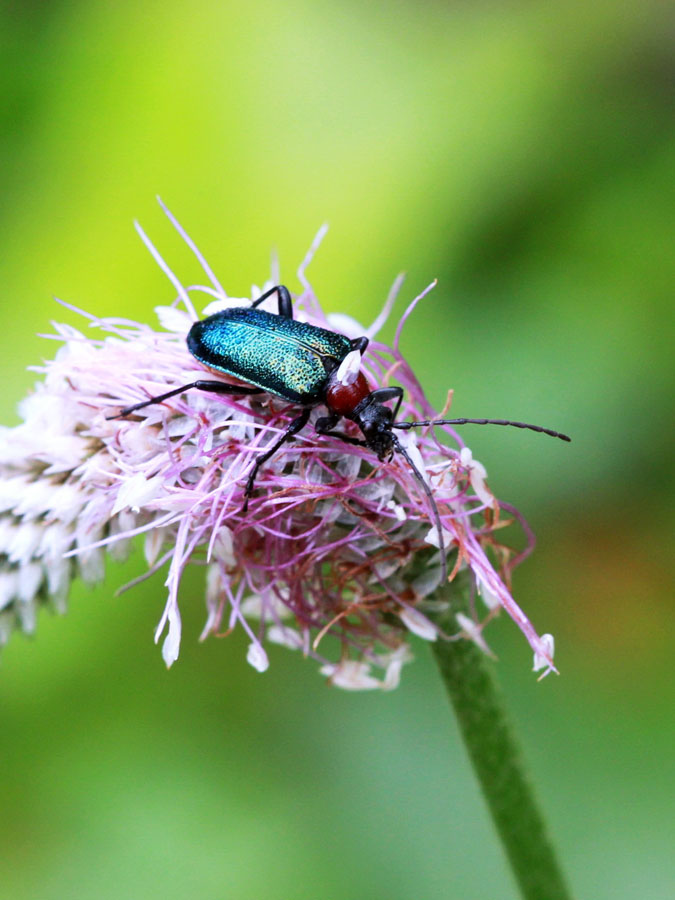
column 277, row 354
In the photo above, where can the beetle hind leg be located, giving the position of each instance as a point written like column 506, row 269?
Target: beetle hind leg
column 214, row 387
column 360, row 344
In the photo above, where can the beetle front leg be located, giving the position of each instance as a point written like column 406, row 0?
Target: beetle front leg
column 285, row 302
column 294, row 427
column 381, row 395
column 325, row 425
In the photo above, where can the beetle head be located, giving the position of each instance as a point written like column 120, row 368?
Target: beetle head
column 375, row 420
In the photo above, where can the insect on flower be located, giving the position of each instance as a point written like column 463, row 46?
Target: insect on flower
column 309, row 366
column 325, row 538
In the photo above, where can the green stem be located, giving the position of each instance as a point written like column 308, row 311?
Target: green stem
column 489, row 738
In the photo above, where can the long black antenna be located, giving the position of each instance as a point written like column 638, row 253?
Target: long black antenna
column 406, row 426
column 430, row 497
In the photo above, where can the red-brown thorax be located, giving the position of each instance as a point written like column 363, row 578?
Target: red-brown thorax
column 342, row 399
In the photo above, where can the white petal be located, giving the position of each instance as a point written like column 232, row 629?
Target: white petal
column 27, row 612
column 141, row 443
column 226, row 303
column 214, row 592
column 6, row 531
column 173, row 319
column 477, row 476
column 24, row 542
column 30, row 579
column 432, row 537
column 171, row 644
column 346, row 325
column 8, row 587
column 6, row 627
column 66, row 502
column 153, row 544
column 427, row 582
column 488, row 596
column 396, row 508
column 386, row 567
column 473, row 631
column 257, row 657
column 180, row 425
column 348, row 465
column 223, row 546
column 255, row 607
column 392, row 674
column 12, row 492
column 286, row 637
column 137, row 491
column 35, row 499
column 543, row 658
column 214, row 585
column 91, row 564
column 121, row 525
column 56, row 540
column 418, row 624
column 466, row 456
column 351, row 675
column 409, row 441
column 58, row 582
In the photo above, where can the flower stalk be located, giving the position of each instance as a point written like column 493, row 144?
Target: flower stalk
column 496, row 758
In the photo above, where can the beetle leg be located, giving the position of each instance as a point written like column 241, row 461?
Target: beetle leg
column 345, row 438
column 215, row 387
column 285, row 302
column 325, row 425
column 381, row 395
column 294, row 427
column 360, row 344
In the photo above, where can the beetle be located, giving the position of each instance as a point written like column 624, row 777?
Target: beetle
column 276, row 354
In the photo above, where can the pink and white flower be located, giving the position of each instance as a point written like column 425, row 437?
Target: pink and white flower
column 336, row 555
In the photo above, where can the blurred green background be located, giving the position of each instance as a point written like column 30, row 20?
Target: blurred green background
column 521, row 152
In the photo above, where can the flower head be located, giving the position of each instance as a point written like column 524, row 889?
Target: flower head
column 337, row 554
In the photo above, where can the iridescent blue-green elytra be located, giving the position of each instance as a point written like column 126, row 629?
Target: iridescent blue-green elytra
column 278, row 354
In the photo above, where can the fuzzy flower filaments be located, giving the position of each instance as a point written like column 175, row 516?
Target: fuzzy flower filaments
column 337, row 554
